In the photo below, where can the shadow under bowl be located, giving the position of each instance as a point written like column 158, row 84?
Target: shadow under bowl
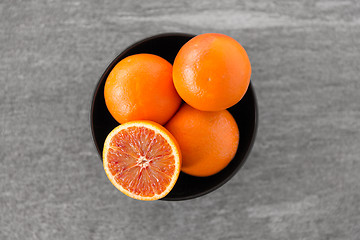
column 245, row 113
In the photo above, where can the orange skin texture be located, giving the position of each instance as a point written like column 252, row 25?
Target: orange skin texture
column 212, row 72
column 208, row 140
column 140, row 87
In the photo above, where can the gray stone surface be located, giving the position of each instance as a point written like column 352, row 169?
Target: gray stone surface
column 301, row 181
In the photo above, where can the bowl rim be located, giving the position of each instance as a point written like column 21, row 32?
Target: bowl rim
column 236, row 169
column 251, row 88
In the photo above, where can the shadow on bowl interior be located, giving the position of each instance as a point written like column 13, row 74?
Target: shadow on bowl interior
column 244, row 112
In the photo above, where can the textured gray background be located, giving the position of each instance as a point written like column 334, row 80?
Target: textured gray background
column 301, row 181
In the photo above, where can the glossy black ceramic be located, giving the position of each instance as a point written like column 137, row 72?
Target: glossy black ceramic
column 245, row 113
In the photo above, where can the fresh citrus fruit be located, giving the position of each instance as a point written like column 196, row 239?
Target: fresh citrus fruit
column 140, row 87
column 208, row 140
column 142, row 159
column 211, row 72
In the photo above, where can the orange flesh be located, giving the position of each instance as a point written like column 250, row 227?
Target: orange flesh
column 141, row 161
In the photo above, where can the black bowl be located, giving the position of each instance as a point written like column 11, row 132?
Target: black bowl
column 245, row 113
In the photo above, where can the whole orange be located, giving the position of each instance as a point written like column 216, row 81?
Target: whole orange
column 212, row 72
column 208, row 140
column 140, row 87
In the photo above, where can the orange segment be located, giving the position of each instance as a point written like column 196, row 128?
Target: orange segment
column 142, row 160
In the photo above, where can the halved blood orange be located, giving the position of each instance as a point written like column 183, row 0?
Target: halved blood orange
column 142, row 160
